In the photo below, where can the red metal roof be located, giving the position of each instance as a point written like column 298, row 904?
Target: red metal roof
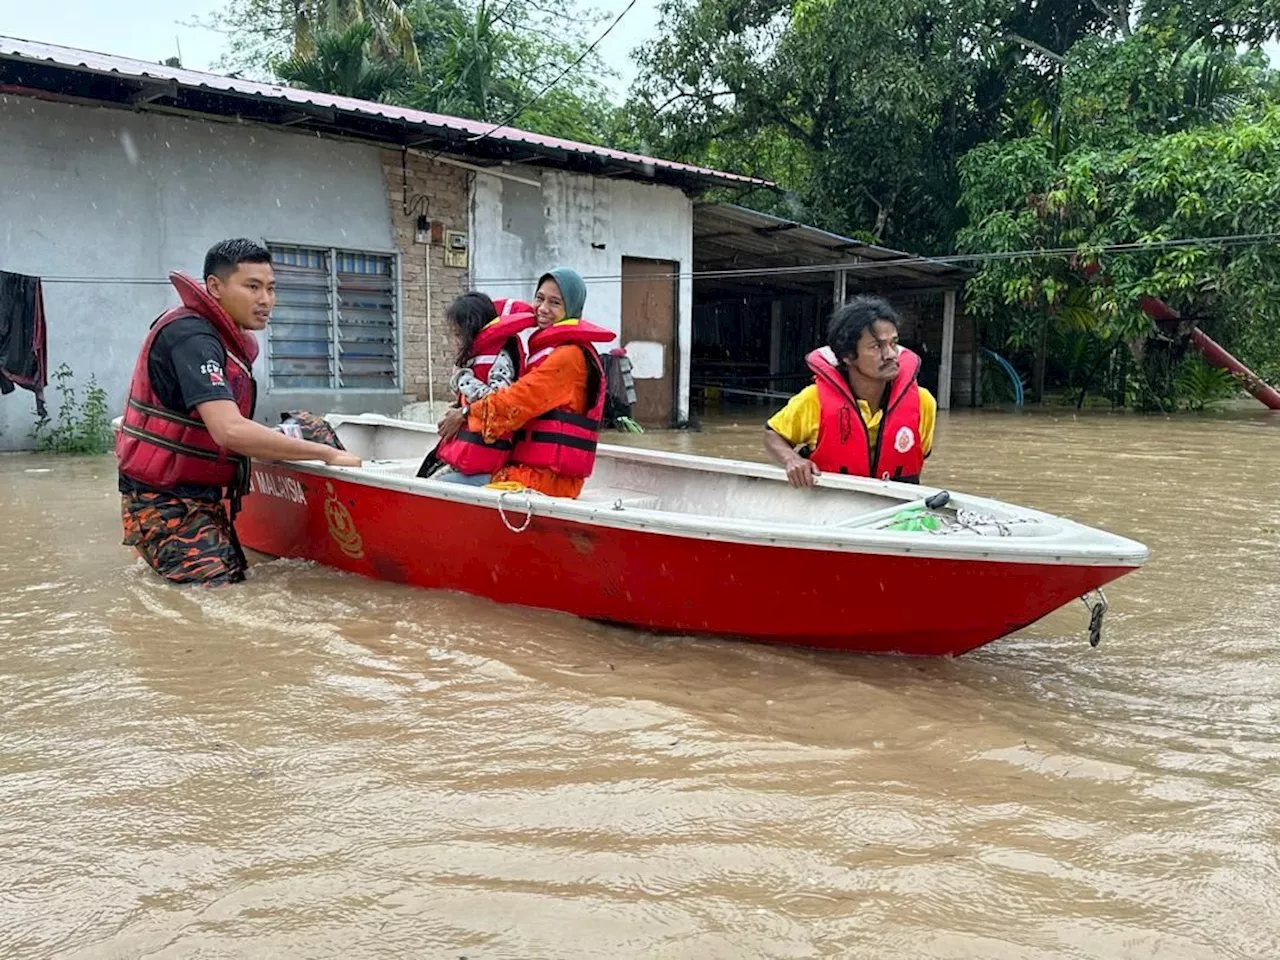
column 86, row 60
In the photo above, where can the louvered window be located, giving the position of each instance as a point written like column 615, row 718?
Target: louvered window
column 336, row 324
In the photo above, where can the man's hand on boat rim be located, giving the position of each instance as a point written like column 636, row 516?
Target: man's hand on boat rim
column 802, row 472
column 340, row 458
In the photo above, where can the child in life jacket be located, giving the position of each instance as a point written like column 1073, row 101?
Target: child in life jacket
column 490, row 356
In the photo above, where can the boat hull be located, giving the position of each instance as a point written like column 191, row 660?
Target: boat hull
column 861, row 602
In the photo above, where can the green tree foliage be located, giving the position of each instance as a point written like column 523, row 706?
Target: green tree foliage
column 262, row 33
column 341, row 63
column 495, row 59
column 487, row 60
column 859, row 109
column 1159, row 137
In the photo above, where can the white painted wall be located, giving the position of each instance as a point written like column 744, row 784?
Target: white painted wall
column 520, row 231
column 95, row 192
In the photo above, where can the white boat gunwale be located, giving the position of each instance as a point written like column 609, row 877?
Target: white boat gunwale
column 1073, row 544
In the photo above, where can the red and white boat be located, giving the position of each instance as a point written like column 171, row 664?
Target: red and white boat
column 681, row 544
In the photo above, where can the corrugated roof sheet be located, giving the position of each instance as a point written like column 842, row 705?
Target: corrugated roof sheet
column 550, row 147
column 728, row 237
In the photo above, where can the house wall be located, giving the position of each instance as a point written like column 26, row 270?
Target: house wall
column 417, row 186
column 118, row 199
column 522, row 230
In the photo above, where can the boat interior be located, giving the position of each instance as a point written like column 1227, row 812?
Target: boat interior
column 633, row 479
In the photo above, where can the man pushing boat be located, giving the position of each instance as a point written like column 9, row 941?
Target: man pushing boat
column 188, row 431
column 865, row 414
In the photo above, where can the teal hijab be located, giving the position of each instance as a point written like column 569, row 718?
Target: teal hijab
column 573, row 290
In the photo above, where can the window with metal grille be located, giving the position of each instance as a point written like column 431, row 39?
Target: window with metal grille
column 336, row 324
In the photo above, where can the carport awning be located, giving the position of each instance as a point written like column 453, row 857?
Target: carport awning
column 793, row 257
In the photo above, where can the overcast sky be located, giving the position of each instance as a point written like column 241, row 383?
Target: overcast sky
column 156, row 29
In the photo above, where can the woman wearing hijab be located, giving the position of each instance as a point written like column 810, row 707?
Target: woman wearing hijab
column 554, row 408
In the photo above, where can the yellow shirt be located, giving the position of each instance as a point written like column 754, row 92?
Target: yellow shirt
column 797, row 422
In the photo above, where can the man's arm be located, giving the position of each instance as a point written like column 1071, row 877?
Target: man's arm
column 229, row 429
column 199, row 359
column 800, row 472
column 795, row 425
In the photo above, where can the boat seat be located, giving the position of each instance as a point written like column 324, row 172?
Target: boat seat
column 611, row 496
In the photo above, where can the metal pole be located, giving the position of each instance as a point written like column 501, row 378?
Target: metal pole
column 948, row 347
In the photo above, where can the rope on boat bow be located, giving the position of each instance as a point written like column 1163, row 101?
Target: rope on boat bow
column 1097, row 610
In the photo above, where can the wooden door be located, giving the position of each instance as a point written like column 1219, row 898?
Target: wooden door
column 649, row 336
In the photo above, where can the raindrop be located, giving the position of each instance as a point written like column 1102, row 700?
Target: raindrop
column 278, row 204
column 130, row 148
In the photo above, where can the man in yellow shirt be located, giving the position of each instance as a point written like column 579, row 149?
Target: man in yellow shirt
column 865, row 414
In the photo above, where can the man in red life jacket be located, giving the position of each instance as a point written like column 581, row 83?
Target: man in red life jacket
column 188, row 431
column 865, row 415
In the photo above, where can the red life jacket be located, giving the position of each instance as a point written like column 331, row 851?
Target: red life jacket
column 507, row 307
column 165, row 448
column 563, row 441
column 844, row 444
column 466, row 451
column 499, row 332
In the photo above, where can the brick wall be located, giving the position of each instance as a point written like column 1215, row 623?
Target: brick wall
column 440, row 192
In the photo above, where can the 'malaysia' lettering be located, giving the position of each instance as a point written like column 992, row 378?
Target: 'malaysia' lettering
column 283, row 488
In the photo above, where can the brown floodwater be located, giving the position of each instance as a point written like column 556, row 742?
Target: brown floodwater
column 316, row 765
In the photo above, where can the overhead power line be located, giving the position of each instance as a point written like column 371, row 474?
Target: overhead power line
column 515, row 114
column 961, row 259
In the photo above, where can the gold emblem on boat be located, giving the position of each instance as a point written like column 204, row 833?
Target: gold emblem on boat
column 341, row 527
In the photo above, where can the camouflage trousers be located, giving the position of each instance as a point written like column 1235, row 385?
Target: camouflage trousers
column 185, row 541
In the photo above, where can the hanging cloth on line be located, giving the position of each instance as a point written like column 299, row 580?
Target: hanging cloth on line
column 24, row 351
